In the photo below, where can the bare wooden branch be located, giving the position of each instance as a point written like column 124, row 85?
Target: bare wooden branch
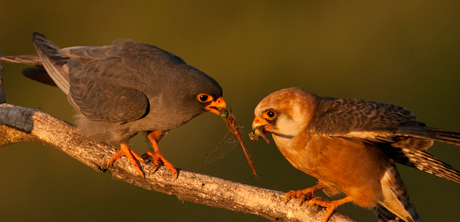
column 19, row 124
column 25, row 124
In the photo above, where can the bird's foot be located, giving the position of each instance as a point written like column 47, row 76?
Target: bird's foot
column 131, row 155
column 157, row 157
column 305, row 194
column 329, row 205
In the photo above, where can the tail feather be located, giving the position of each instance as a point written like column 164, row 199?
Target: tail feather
column 384, row 215
column 39, row 74
column 33, row 60
column 396, row 200
column 53, row 61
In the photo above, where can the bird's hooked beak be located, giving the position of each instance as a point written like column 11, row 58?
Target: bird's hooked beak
column 218, row 107
column 259, row 128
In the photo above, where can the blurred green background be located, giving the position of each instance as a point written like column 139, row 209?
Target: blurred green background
column 405, row 53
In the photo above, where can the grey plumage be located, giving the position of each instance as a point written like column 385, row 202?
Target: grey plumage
column 37, row 73
column 123, row 88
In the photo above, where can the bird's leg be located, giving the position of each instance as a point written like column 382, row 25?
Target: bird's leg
column 154, row 137
column 330, row 205
column 130, row 154
column 305, row 194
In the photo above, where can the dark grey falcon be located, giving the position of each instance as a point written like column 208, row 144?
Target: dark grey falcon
column 125, row 88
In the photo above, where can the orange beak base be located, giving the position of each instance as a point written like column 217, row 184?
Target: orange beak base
column 259, row 129
column 218, row 107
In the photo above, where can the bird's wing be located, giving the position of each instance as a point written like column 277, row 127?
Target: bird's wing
column 110, row 83
column 106, row 82
column 106, row 102
column 377, row 122
column 99, row 81
column 423, row 161
column 53, row 61
column 401, row 135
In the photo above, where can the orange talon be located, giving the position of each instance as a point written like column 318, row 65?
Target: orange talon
column 309, row 194
column 157, row 157
column 131, row 155
column 156, row 162
column 330, row 205
column 305, row 194
column 154, row 137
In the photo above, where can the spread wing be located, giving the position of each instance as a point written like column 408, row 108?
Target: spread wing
column 377, row 122
column 400, row 134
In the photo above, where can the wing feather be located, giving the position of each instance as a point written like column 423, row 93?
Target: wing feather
column 377, row 122
column 400, row 134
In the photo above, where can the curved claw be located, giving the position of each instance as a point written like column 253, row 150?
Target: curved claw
column 131, row 155
column 319, row 201
column 305, row 194
column 329, row 205
column 157, row 158
column 155, row 167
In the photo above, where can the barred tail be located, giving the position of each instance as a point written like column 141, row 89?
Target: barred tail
column 396, row 202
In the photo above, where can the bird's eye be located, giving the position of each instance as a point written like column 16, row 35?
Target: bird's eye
column 204, row 97
column 270, row 114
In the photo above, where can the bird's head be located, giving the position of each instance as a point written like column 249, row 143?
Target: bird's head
column 284, row 113
column 205, row 94
column 214, row 105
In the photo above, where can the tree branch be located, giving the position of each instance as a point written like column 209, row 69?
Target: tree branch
column 24, row 124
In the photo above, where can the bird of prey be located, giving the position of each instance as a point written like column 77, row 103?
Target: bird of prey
column 351, row 146
column 125, row 88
